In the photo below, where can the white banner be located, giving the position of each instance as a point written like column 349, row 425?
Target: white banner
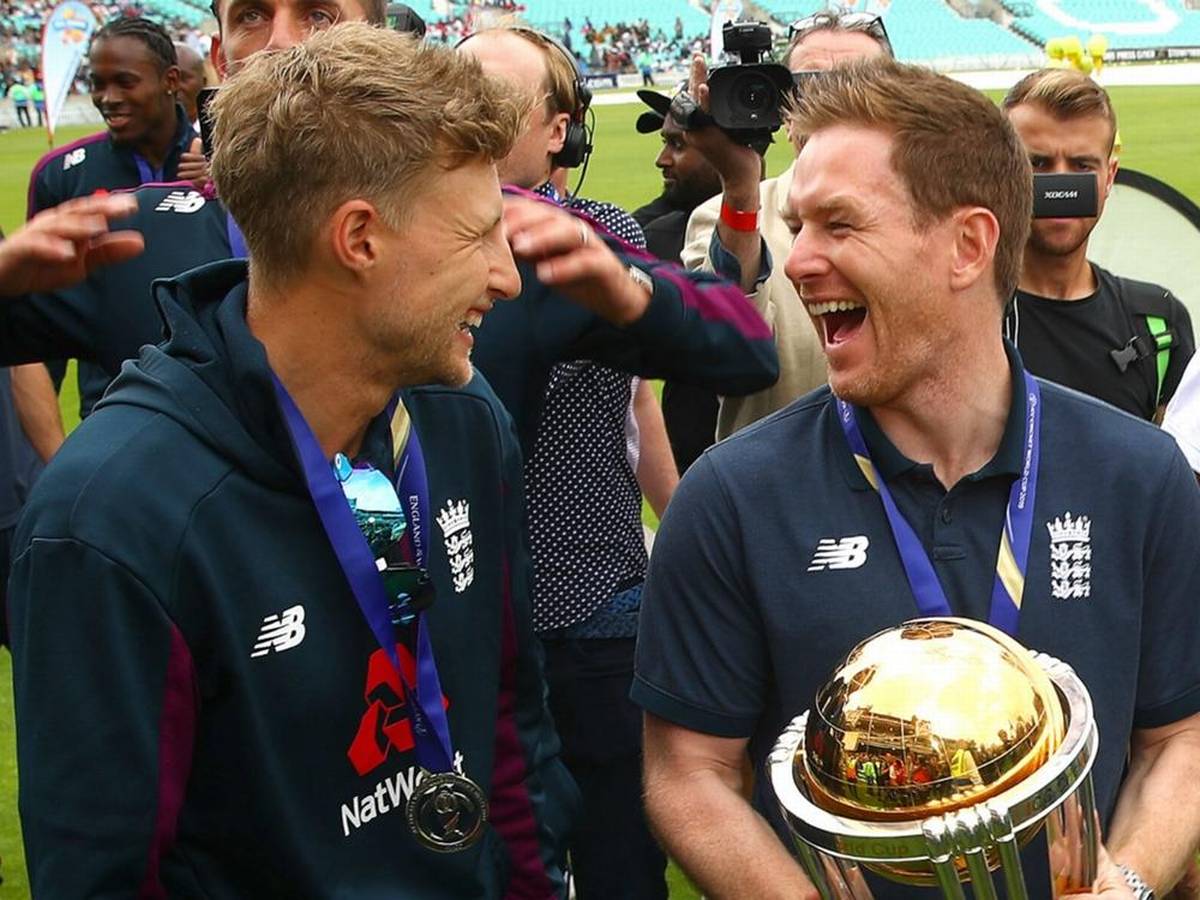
column 722, row 11
column 65, row 38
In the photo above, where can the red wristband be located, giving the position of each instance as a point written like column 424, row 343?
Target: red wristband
column 738, row 219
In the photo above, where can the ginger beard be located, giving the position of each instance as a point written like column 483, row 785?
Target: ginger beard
column 878, row 351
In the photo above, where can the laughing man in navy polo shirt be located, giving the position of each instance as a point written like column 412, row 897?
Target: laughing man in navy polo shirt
column 776, row 555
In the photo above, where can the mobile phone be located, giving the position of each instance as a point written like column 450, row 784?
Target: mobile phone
column 1070, row 196
column 202, row 100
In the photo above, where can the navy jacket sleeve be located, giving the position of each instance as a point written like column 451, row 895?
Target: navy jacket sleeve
column 59, row 325
column 1168, row 687
column 701, row 654
column 99, row 633
column 698, row 330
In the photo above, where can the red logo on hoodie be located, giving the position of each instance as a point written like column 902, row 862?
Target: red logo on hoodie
column 385, row 726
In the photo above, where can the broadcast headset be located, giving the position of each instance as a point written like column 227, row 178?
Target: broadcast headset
column 577, row 144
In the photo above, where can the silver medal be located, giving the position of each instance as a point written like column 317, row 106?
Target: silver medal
column 447, row 812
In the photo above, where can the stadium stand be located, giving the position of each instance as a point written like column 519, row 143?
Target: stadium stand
column 1126, row 23
column 934, row 33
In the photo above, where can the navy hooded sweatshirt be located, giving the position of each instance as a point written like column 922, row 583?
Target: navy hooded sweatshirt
column 202, row 710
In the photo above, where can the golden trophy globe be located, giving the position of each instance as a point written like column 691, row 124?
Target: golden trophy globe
column 934, row 751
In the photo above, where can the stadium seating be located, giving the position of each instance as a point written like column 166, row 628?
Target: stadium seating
column 660, row 14
column 927, row 31
column 1126, row 23
column 786, row 11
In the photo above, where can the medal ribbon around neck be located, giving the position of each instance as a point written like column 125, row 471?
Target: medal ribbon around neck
column 147, row 174
column 423, row 701
column 237, row 243
column 1013, row 557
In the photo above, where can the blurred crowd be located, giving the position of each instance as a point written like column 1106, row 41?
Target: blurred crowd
column 21, row 37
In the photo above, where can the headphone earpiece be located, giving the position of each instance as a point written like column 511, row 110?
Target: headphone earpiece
column 577, row 145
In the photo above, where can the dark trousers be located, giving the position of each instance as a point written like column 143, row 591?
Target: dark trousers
column 23, row 115
column 613, row 854
column 6, row 536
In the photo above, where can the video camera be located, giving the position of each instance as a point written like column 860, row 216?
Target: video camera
column 1069, row 196
column 746, row 98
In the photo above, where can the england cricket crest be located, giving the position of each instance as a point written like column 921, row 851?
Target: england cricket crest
column 1070, row 557
column 455, row 522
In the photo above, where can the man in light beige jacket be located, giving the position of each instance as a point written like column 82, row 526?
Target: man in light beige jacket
column 818, row 43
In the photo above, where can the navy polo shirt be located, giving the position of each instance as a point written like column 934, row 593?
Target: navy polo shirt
column 775, row 557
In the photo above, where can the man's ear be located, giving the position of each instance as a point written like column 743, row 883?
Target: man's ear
column 216, row 57
column 976, row 234
column 558, row 136
column 171, row 79
column 353, row 233
column 1110, row 176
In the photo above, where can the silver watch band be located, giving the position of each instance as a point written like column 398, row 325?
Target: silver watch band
column 1137, row 884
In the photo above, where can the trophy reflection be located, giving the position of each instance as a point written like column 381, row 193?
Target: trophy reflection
column 934, row 751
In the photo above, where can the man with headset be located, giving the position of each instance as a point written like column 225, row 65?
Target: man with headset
column 584, row 507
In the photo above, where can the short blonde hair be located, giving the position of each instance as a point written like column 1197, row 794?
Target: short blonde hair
column 952, row 147
column 353, row 112
column 1065, row 94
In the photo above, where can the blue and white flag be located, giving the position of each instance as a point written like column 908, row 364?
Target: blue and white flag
column 65, row 39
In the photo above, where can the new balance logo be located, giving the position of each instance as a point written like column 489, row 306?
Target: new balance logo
column 181, row 202
column 74, row 158
column 843, row 553
column 280, row 632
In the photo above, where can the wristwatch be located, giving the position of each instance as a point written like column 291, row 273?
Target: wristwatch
column 1137, row 884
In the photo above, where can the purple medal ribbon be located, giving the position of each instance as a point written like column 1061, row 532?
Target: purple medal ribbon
column 237, row 243
column 1013, row 559
column 431, row 729
column 147, row 174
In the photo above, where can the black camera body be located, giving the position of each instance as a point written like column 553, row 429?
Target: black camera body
column 746, row 98
column 1066, row 196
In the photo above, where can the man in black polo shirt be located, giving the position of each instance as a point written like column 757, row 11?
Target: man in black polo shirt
column 778, row 554
column 1123, row 341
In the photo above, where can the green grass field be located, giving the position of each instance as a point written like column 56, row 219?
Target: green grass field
column 1160, row 130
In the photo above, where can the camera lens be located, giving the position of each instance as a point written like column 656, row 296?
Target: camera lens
column 755, row 94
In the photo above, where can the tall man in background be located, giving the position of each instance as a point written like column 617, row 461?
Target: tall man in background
column 585, row 513
column 1126, row 342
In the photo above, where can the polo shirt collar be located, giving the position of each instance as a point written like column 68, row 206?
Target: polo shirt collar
column 892, row 464
column 182, row 142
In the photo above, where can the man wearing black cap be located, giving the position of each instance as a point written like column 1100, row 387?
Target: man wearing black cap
column 688, row 180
